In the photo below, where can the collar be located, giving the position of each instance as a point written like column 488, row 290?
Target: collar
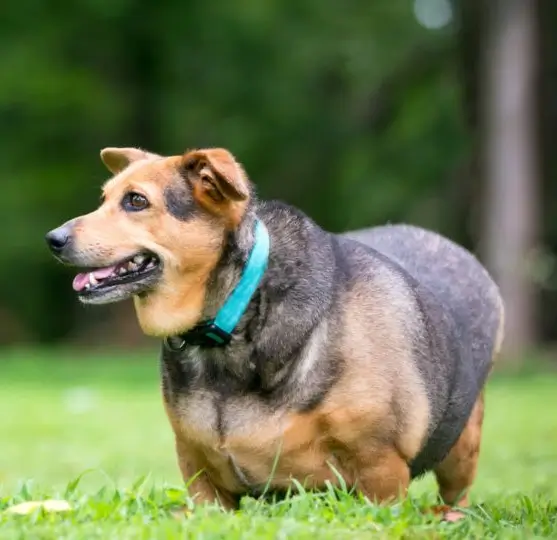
column 217, row 332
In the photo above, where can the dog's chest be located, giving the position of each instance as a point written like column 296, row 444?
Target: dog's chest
column 242, row 433
column 213, row 418
column 243, row 443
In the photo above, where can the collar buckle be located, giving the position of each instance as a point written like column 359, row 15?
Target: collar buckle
column 206, row 334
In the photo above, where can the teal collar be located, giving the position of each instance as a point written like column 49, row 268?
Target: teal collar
column 218, row 331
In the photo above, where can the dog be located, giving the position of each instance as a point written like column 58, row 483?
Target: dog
column 289, row 352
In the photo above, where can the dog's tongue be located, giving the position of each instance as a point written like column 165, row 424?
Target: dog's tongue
column 81, row 280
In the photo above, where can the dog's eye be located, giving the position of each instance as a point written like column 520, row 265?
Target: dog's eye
column 133, row 202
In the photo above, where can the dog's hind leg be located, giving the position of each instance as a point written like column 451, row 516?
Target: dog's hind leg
column 456, row 473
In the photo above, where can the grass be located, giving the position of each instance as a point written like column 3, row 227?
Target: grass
column 92, row 430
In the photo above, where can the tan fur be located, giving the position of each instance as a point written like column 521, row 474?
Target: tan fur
column 193, row 466
column 380, row 330
column 383, row 474
column 301, row 444
column 117, row 159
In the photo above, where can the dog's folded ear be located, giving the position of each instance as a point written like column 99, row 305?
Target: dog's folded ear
column 117, row 159
column 216, row 175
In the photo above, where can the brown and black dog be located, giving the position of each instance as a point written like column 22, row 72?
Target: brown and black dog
column 363, row 355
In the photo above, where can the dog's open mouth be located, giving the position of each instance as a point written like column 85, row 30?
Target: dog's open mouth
column 134, row 273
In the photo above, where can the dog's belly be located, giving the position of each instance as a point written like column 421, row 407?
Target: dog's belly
column 244, row 445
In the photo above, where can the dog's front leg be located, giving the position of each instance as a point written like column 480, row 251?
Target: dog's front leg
column 383, row 475
column 200, row 487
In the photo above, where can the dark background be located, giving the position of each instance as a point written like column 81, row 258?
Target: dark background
column 435, row 112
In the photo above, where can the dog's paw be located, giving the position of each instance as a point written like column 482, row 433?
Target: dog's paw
column 447, row 513
column 453, row 515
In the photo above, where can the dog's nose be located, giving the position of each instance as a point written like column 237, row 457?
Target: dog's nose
column 58, row 239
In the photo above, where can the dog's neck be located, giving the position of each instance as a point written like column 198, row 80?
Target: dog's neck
column 228, row 271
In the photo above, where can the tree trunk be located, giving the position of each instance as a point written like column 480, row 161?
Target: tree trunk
column 508, row 83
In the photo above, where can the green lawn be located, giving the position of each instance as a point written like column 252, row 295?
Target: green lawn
column 101, row 417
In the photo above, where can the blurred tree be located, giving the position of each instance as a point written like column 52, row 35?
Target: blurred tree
column 511, row 161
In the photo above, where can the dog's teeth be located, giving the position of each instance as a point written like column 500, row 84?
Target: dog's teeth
column 151, row 264
column 122, row 271
column 132, row 267
column 92, row 279
column 138, row 259
column 87, row 286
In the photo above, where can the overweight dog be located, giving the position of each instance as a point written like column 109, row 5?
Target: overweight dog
column 289, row 352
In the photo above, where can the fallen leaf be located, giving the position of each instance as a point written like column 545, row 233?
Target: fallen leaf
column 50, row 505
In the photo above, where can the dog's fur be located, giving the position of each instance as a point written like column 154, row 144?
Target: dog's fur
column 363, row 354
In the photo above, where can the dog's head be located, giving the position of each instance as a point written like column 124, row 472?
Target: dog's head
column 158, row 233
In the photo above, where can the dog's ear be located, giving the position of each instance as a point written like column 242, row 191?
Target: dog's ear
column 215, row 175
column 117, row 159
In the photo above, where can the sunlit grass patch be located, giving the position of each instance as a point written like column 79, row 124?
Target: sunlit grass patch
column 92, row 431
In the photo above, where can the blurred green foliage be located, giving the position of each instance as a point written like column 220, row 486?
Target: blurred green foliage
column 351, row 111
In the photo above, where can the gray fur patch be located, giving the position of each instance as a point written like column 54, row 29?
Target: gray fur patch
column 179, row 202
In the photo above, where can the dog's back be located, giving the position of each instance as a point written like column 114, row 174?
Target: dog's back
column 459, row 294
